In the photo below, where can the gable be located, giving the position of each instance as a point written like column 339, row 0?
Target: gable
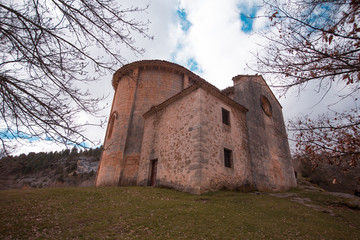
column 239, row 79
column 191, row 89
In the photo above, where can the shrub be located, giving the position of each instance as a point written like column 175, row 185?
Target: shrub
column 60, row 178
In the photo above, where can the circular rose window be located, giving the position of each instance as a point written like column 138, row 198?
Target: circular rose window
column 265, row 105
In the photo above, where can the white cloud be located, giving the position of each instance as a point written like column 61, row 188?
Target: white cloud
column 214, row 40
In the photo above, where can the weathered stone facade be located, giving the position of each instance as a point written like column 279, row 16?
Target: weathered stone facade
column 169, row 127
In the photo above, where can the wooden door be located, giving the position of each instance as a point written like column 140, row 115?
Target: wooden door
column 153, row 172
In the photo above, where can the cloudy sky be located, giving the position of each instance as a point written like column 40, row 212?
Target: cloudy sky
column 211, row 38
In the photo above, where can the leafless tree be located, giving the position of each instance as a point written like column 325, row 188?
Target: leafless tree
column 313, row 41
column 46, row 49
column 318, row 42
column 334, row 140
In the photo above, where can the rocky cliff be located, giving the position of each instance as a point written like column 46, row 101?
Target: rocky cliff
column 38, row 170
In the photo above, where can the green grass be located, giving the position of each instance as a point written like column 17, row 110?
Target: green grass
column 153, row 213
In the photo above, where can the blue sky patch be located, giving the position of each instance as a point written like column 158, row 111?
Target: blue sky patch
column 193, row 65
column 12, row 135
column 184, row 22
column 247, row 15
column 322, row 15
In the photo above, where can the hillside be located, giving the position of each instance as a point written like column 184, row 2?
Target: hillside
column 154, row 213
column 330, row 177
column 68, row 168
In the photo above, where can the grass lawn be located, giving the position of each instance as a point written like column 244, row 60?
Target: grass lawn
column 154, row 213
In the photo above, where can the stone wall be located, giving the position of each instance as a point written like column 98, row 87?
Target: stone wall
column 187, row 138
column 136, row 93
column 269, row 149
column 183, row 130
column 114, row 145
column 215, row 136
column 170, row 137
column 154, row 87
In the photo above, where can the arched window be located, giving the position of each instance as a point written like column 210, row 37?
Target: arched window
column 111, row 124
column 265, row 105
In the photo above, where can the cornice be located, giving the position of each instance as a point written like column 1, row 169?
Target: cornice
column 128, row 69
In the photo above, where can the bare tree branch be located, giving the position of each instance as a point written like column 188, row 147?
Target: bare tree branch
column 45, row 50
column 318, row 42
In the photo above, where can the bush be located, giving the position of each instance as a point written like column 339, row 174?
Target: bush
column 59, row 170
column 61, row 178
column 305, row 168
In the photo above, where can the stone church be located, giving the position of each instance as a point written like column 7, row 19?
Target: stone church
column 169, row 127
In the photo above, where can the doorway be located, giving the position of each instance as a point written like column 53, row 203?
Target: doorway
column 153, row 172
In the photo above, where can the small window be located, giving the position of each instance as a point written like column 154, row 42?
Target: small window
column 226, row 116
column 111, row 124
column 227, row 158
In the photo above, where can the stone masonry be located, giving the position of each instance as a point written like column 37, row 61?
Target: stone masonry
column 169, row 127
